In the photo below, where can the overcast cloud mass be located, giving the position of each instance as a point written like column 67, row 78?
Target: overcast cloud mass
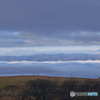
column 49, row 22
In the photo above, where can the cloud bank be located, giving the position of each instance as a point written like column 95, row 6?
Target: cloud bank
column 62, row 39
column 49, row 62
column 35, row 22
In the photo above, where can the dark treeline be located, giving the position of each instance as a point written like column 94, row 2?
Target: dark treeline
column 43, row 89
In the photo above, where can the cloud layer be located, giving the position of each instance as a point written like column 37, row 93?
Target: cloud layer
column 49, row 22
column 31, row 39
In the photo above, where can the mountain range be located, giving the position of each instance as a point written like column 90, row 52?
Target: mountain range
column 52, row 57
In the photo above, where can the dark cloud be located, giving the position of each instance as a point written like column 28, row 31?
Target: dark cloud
column 32, row 39
column 49, row 22
column 12, row 42
column 8, row 35
column 88, row 37
column 50, row 16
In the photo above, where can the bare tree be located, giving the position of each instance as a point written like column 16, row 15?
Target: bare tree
column 42, row 89
column 66, row 87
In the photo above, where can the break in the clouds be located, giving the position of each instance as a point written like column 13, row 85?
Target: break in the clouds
column 49, row 22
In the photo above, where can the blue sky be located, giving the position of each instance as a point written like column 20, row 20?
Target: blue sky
column 67, row 24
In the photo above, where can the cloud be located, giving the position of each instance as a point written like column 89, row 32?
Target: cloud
column 49, row 16
column 35, row 22
column 50, row 62
column 62, row 39
column 11, row 42
column 87, row 37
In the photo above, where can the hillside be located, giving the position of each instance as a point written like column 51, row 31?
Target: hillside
column 21, row 80
column 56, row 88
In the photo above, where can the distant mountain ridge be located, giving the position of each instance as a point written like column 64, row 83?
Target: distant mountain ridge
column 52, row 57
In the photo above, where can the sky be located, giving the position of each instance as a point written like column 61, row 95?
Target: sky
column 51, row 23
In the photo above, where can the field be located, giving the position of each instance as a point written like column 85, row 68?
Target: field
column 6, row 83
column 22, row 80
